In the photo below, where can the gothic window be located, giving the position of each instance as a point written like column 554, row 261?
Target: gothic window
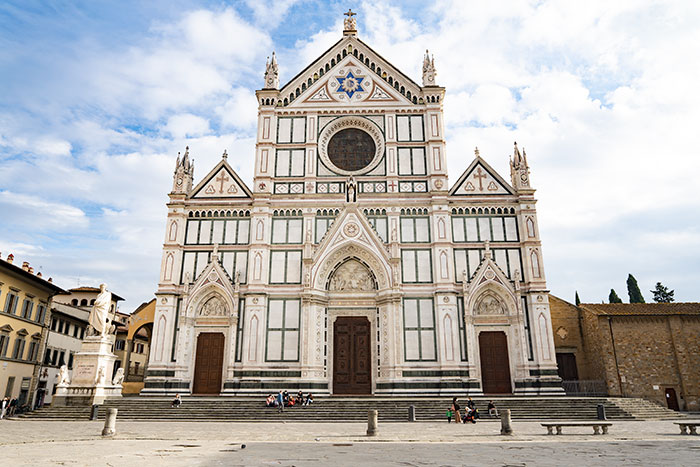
column 289, row 163
column 323, row 223
column 239, row 330
column 480, row 228
column 468, row 259
column 282, row 342
column 235, row 261
column 291, row 129
column 381, row 226
column 463, row 355
column 419, row 330
column 415, row 229
column 285, row 267
column 416, row 266
column 409, row 127
column 412, row 161
column 287, row 230
column 222, row 232
column 27, row 307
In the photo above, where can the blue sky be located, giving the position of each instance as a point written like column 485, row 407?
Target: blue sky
column 98, row 97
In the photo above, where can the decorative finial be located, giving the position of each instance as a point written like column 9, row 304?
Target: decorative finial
column 350, row 24
column 429, row 72
column 224, row 155
column 476, row 151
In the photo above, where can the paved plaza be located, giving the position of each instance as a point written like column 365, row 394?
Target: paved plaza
column 24, row 442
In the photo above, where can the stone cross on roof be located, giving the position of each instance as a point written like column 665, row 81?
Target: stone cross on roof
column 350, row 23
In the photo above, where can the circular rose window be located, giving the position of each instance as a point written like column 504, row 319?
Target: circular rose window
column 351, row 149
column 351, row 145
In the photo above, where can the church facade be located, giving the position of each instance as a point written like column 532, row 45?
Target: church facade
column 350, row 266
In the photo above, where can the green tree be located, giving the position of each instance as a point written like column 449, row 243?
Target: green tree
column 633, row 290
column 613, row 298
column 577, row 300
column 662, row 294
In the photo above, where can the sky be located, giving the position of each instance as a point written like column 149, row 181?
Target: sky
column 97, row 98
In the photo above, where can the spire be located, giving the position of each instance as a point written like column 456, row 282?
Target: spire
column 350, row 24
column 224, row 156
column 519, row 170
column 184, row 173
column 429, row 72
column 272, row 80
column 476, row 152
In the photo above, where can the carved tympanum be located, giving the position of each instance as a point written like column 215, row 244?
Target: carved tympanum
column 213, row 307
column 490, row 305
column 351, row 276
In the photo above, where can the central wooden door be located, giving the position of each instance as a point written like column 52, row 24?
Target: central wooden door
column 209, row 363
column 352, row 361
column 495, row 366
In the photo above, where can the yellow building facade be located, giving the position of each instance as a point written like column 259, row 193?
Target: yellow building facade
column 25, row 300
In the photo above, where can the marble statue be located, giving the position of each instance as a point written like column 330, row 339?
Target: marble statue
column 63, row 376
column 118, row 377
column 100, row 378
column 99, row 315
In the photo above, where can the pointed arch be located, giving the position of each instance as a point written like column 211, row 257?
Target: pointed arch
column 172, row 233
column 444, row 271
column 162, row 321
column 260, row 230
column 544, row 337
column 535, row 262
column 530, row 224
column 448, row 340
column 168, row 274
column 253, row 339
column 257, row 266
column 441, row 228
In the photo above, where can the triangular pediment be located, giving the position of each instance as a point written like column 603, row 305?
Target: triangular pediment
column 221, row 182
column 213, row 275
column 350, row 72
column 351, row 226
column 489, row 273
column 480, row 179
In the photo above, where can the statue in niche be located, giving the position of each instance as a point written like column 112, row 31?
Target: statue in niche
column 213, row 307
column 490, row 305
column 351, row 276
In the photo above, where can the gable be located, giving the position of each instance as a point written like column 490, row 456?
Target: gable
column 221, row 182
column 320, row 82
column 480, row 179
column 350, row 82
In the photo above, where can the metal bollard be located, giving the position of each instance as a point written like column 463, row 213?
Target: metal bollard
column 506, row 428
column 601, row 412
column 372, row 422
column 93, row 412
column 110, row 423
column 411, row 413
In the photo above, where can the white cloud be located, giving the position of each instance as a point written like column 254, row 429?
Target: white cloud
column 184, row 125
column 38, row 214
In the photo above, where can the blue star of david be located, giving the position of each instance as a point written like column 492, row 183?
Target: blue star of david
column 350, row 84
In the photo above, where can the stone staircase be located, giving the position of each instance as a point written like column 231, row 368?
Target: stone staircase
column 354, row 409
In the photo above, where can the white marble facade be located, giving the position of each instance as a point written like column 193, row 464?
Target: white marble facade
column 358, row 225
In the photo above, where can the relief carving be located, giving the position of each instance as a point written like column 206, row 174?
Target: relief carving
column 213, row 307
column 490, row 305
column 351, row 276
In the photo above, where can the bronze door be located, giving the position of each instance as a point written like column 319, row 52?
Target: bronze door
column 352, row 364
column 495, row 366
column 209, row 363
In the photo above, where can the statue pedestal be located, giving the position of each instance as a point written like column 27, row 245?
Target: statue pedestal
column 91, row 382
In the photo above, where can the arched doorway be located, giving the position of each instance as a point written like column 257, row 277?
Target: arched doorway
column 352, row 280
column 495, row 365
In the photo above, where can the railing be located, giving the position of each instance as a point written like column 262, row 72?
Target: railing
column 585, row 388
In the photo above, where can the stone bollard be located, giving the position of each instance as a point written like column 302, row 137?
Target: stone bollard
column 506, row 428
column 110, row 423
column 411, row 413
column 372, row 422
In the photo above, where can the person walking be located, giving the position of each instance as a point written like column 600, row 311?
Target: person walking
column 455, row 410
column 280, row 402
column 493, row 411
column 3, row 407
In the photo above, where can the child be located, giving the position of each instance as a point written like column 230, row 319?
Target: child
column 449, row 415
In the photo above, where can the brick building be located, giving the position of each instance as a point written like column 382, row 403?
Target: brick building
column 649, row 350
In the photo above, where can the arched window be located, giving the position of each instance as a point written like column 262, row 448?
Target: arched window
column 74, row 302
column 84, row 302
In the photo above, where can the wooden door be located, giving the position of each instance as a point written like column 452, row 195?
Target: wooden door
column 209, row 362
column 352, row 364
column 671, row 399
column 495, row 366
column 566, row 366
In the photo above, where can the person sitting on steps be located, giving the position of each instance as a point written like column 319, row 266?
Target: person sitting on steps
column 493, row 411
column 309, row 399
column 176, row 402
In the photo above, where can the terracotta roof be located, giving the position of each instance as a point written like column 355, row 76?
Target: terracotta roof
column 640, row 309
column 85, row 288
column 142, row 306
column 34, row 279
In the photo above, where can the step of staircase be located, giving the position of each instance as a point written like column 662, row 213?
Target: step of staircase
column 354, row 409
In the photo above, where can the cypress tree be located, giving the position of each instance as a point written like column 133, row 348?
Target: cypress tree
column 577, row 300
column 613, row 298
column 633, row 290
column 662, row 294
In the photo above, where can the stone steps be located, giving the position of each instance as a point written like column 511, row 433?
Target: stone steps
column 353, row 409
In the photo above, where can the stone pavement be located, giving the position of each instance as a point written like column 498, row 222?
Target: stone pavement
column 27, row 442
